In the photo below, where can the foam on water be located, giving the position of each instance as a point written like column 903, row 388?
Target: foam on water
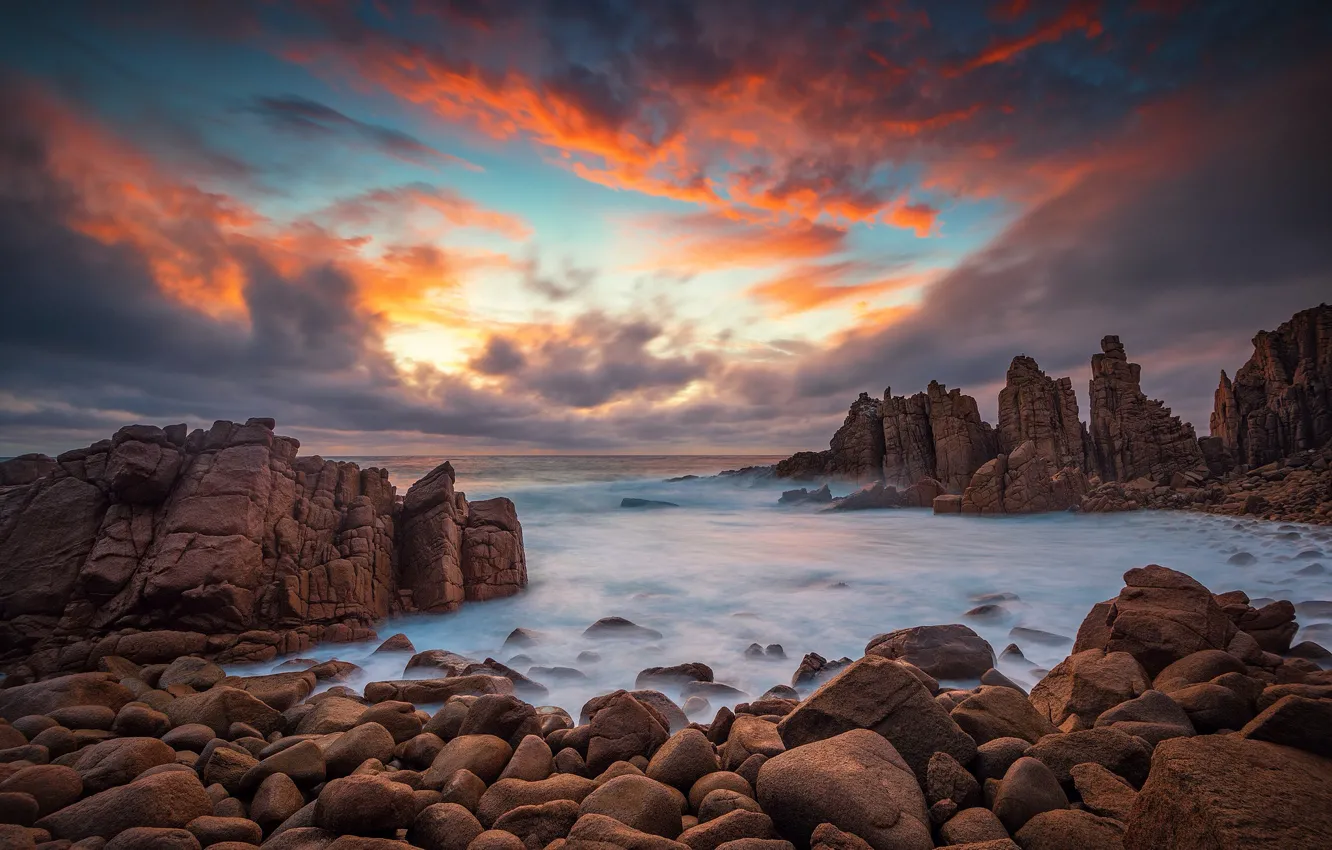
column 729, row 568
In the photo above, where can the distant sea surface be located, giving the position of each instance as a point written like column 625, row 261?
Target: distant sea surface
column 729, row 567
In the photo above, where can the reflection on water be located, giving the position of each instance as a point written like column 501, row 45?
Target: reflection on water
column 729, row 568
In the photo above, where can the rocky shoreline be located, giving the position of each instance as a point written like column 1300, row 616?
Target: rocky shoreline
column 1181, row 718
column 1269, row 454
column 224, row 543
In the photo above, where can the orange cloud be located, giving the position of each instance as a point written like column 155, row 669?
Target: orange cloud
column 707, row 242
column 1078, row 16
column 814, row 286
column 198, row 245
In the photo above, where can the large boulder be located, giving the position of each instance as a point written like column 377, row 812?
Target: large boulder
column 883, row 697
column 168, row 800
column 1218, row 792
column 219, row 707
column 1083, row 686
column 638, row 802
column 1162, row 615
column 621, row 729
column 856, row 781
column 63, row 692
column 1001, row 712
column 944, row 652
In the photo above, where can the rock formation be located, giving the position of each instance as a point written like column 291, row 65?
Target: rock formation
column 234, row 545
column 1043, row 410
column 856, row 450
column 1133, row 436
column 1280, row 402
column 1023, row 482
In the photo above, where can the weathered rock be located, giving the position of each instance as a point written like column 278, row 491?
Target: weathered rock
column 971, row 826
column 119, row 761
column 882, row 696
column 1103, row 793
column 1153, row 716
column 166, row 800
column 1023, row 482
column 1001, row 712
column 1044, row 411
column 1063, row 828
column 230, row 537
column 508, row 794
column 1116, row 751
column 638, row 802
column 444, row 826
column 351, row 749
column 218, row 708
column 1131, row 435
column 53, row 786
column 599, row 832
column 1281, row 399
column 750, row 736
column 721, row 801
column 740, row 825
column 1227, row 792
column 1028, row 789
column 79, row 689
column 855, row 781
column 364, row 805
column 948, row 780
column 620, row 729
column 539, row 825
column 683, row 759
column 1294, row 721
column 532, row 760
column 1085, row 685
column 483, row 755
column 276, row 800
column 722, row 780
column 214, row 830
column 1212, row 707
column 943, row 652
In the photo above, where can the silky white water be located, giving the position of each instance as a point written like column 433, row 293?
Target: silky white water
column 730, row 567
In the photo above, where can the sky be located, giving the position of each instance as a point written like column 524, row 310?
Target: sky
column 639, row 226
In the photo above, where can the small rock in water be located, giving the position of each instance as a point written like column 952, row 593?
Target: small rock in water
column 697, row 707
column 587, row 656
column 987, row 598
column 397, row 643
column 989, row 611
column 519, row 638
column 712, row 689
column 1038, row 636
column 1309, row 649
column 619, row 627
column 1311, row 570
column 774, row 650
column 1013, row 652
column 646, row 503
column 1308, row 553
column 1289, row 535
column 1241, row 559
column 519, row 659
column 1315, row 609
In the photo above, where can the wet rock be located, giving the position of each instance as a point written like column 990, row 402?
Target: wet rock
column 944, row 652
column 646, row 503
column 619, row 627
column 883, row 696
column 676, row 675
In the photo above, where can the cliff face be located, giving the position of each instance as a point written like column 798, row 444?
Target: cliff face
column 1280, row 402
column 935, row 434
column 228, row 536
column 1133, row 436
column 1035, row 407
column 1023, row 482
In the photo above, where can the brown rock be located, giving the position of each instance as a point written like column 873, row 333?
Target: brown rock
column 1102, row 792
column 1044, row 411
column 1131, row 435
column 621, row 729
column 167, row 800
column 1120, row 753
column 683, row 759
column 1294, row 721
column 539, row 825
column 154, row 838
column 855, row 781
column 638, row 802
column 1000, row 712
column 364, row 805
column 1228, row 792
column 1163, row 615
column 600, row 831
column 444, row 826
column 736, row 825
column 214, row 830
column 509, row 794
column 1070, row 828
column 1029, row 788
column 1084, row 686
column 943, row 652
column 52, row 786
column 276, row 800
column 120, row 760
column 351, row 749
column 79, row 689
column 217, row 708
column 971, row 826
column 483, row 755
column 722, row 780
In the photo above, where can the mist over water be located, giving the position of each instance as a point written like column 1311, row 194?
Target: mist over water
column 729, row 568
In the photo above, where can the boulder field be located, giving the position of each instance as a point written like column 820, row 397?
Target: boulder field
column 1182, row 719
column 223, row 543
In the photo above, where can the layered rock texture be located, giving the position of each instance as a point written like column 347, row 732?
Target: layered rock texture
column 1280, row 402
column 1133, row 436
column 1269, row 453
column 1182, row 720
column 231, row 543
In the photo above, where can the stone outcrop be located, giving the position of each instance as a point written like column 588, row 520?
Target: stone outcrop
column 1133, row 436
column 159, row 542
column 1280, row 402
column 1034, row 407
column 1023, row 483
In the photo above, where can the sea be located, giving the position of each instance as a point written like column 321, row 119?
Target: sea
column 729, row 568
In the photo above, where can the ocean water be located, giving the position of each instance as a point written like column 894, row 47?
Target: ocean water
column 730, row 567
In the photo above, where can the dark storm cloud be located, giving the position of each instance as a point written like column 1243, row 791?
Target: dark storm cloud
column 306, row 117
